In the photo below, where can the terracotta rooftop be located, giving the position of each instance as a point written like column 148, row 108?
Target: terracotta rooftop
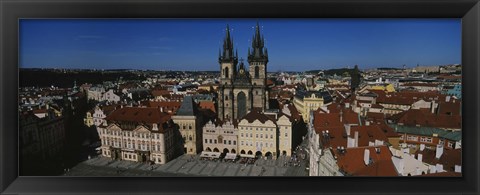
column 257, row 115
column 352, row 163
column 160, row 92
column 425, row 118
column 208, row 105
column 368, row 134
column 138, row 115
column 449, row 158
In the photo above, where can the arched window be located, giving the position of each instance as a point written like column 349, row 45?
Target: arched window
column 226, row 72
column 257, row 72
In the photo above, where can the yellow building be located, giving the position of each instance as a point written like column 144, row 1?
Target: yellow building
column 258, row 135
column 383, row 87
column 88, row 120
column 306, row 101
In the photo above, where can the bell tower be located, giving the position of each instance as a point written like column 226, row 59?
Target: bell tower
column 258, row 59
column 228, row 60
column 228, row 70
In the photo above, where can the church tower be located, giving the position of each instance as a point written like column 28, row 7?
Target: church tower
column 242, row 89
column 228, row 68
column 228, row 60
column 258, row 59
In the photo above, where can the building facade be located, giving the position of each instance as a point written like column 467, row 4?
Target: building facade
column 220, row 136
column 140, row 135
column 190, row 123
column 240, row 89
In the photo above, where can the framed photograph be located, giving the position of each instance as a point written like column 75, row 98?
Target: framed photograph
column 239, row 97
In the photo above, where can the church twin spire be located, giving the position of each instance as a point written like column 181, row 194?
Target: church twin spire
column 257, row 53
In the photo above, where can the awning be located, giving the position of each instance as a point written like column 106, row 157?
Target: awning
column 230, row 156
column 247, row 155
column 210, row 154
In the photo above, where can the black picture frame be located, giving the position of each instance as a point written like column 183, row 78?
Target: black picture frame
column 11, row 11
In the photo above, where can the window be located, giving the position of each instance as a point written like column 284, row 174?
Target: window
column 215, row 141
column 441, row 142
column 229, row 142
column 257, row 72
column 271, row 136
column 412, row 138
column 206, row 141
column 256, row 135
column 426, row 139
column 224, row 141
column 234, row 142
column 240, row 142
column 241, row 135
column 286, row 134
column 450, row 144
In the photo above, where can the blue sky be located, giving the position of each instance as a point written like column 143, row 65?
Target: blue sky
column 193, row 44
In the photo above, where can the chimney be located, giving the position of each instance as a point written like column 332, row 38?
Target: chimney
column 347, row 105
column 366, row 157
column 347, row 129
column 439, row 167
column 155, row 127
column 341, row 116
column 447, row 99
column 420, row 157
column 417, row 171
column 433, row 106
column 432, row 169
column 422, row 147
column 161, row 109
column 439, row 151
column 458, row 169
column 356, row 138
column 367, row 123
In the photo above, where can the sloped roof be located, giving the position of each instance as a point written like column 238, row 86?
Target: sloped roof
column 428, row 131
column 352, row 162
column 424, row 117
column 139, row 115
column 257, row 115
column 188, row 107
column 449, row 158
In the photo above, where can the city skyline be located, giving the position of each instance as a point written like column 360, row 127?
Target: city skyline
column 193, row 44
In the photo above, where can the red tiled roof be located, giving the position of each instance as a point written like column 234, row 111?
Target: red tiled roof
column 449, row 158
column 421, row 84
column 352, row 162
column 449, row 108
column 424, row 117
column 208, row 105
column 166, row 105
column 442, row 174
column 139, row 115
column 160, row 92
column 256, row 115
column 368, row 134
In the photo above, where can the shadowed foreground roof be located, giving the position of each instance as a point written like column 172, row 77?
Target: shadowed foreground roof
column 140, row 115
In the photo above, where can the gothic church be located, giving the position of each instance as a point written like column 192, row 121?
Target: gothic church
column 242, row 90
